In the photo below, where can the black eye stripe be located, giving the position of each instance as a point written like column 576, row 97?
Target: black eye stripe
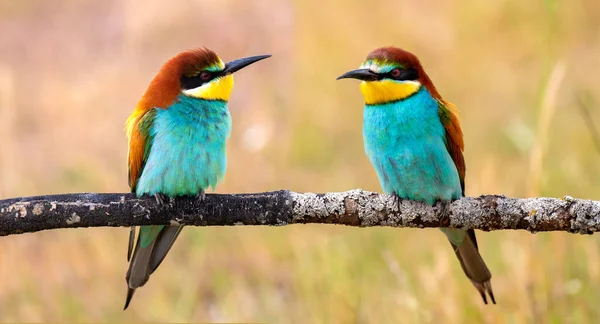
column 191, row 82
column 410, row 74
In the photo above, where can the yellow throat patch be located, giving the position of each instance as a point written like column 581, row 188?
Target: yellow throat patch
column 217, row 89
column 383, row 91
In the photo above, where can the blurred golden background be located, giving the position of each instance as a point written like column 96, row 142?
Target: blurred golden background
column 71, row 72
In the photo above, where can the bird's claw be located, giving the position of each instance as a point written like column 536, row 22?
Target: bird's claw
column 397, row 200
column 161, row 199
column 200, row 196
column 445, row 210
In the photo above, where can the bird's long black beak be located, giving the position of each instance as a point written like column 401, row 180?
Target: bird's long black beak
column 237, row 65
column 360, row 74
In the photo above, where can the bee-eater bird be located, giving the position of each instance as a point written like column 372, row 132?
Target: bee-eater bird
column 177, row 136
column 413, row 139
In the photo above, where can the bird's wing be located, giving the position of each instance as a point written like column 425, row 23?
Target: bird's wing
column 454, row 137
column 139, row 133
column 468, row 252
column 140, row 138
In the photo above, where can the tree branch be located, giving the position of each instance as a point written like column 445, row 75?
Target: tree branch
column 354, row 208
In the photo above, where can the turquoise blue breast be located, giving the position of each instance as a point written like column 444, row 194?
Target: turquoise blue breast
column 188, row 151
column 405, row 141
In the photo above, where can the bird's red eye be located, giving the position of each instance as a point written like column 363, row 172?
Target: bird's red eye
column 395, row 73
column 205, row 75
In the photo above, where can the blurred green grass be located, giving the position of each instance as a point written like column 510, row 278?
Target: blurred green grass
column 70, row 75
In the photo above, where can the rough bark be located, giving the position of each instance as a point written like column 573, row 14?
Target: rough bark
column 353, row 208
